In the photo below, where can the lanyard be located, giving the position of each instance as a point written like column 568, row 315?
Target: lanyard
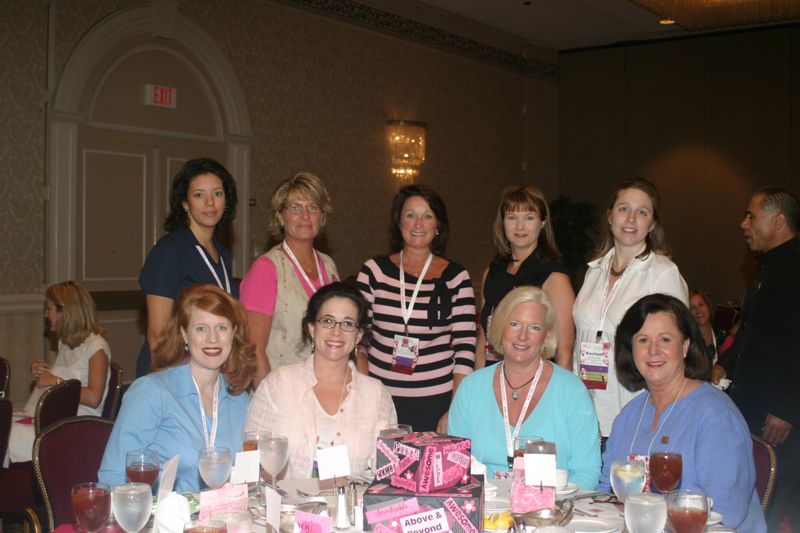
column 407, row 310
column 214, row 409
column 506, row 422
column 605, row 303
column 227, row 287
column 661, row 426
column 299, row 267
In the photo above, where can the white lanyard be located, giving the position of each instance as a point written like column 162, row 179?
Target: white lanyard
column 299, row 267
column 506, row 422
column 661, row 426
column 227, row 287
column 607, row 298
column 407, row 310
column 214, row 408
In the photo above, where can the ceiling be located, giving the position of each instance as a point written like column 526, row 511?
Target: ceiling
column 568, row 24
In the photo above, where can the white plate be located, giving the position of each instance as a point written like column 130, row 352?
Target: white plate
column 498, row 505
column 569, row 489
column 714, row 518
column 581, row 524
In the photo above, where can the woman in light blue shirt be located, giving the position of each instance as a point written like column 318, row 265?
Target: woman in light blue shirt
column 194, row 399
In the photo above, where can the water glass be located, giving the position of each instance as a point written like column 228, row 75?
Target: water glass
column 687, row 511
column 132, row 504
column 627, row 477
column 142, row 466
column 666, row 469
column 91, row 505
column 645, row 513
column 235, row 521
column 274, row 452
column 521, row 443
column 204, row 526
column 215, row 466
column 395, row 430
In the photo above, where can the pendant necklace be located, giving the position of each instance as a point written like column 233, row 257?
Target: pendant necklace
column 514, row 393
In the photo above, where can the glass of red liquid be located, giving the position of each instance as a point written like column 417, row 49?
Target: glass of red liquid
column 687, row 511
column 666, row 469
column 91, row 505
column 205, row 526
column 142, row 466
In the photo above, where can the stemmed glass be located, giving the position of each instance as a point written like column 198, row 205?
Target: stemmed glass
column 142, row 466
column 91, row 505
column 204, row 526
column 274, row 452
column 645, row 513
column 666, row 469
column 215, row 466
column 687, row 511
column 395, row 430
column 627, row 477
column 132, row 504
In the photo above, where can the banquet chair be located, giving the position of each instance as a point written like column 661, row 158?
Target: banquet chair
column 59, row 401
column 5, row 377
column 16, row 482
column 64, row 454
column 766, row 462
column 111, row 405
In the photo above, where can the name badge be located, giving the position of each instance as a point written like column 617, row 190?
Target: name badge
column 594, row 364
column 405, row 354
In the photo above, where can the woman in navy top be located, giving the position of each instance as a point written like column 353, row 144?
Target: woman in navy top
column 202, row 199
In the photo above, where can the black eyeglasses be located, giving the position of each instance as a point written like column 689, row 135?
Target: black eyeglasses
column 347, row 325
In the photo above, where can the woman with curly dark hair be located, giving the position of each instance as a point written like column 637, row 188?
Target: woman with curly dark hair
column 195, row 397
column 202, row 199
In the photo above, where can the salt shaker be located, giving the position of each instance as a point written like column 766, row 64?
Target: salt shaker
column 342, row 521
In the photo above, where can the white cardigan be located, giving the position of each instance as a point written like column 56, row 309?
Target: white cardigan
column 654, row 274
column 285, row 404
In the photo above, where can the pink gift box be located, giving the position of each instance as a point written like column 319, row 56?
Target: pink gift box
column 422, row 462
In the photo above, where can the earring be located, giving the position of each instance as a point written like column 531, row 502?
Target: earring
column 437, row 232
column 185, row 209
column 185, row 346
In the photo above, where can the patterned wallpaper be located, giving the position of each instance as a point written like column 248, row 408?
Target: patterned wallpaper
column 319, row 92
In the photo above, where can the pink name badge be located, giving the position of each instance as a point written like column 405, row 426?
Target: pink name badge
column 312, row 523
column 392, row 511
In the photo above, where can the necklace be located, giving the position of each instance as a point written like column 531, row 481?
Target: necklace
column 616, row 273
column 341, row 396
column 514, row 393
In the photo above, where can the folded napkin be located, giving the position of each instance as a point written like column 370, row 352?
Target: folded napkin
column 171, row 514
column 478, row 468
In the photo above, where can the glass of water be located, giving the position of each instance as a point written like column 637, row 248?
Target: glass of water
column 132, row 504
column 215, row 466
column 627, row 477
column 274, row 452
column 645, row 513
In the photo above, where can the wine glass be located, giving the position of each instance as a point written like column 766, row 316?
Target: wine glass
column 645, row 513
column 132, row 504
column 666, row 469
column 204, row 526
column 91, row 505
column 627, row 477
column 142, row 466
column 274, row 454
column 395, row 430
column 215, row 466
column 687, row 511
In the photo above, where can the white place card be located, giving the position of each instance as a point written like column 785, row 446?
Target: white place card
column 540, row 469
column 273, row 500
column 333, row 461
column 168, row 474
column 246, row 467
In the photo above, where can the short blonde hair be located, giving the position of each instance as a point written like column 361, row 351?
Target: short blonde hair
column 301, row 184
column 77, row 313
column 521, row 295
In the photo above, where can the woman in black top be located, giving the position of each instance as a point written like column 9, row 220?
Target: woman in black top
column 526, row 255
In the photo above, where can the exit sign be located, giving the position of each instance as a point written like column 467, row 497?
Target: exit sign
column 160, row 96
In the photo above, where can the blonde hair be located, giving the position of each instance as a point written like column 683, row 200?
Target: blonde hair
column 77, row 313
column 301, row 184
column 170, row 350
column 521, row 295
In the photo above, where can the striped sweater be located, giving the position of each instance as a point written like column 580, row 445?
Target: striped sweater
column 443, row 320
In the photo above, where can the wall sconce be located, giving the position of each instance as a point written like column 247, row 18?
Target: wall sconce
column 406, row 139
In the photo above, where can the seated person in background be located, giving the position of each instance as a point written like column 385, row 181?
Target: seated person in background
column 526, row 395
column 702, row 309
column 83, row 354
column 193, row 398
column 323, row 401
column 658, row 347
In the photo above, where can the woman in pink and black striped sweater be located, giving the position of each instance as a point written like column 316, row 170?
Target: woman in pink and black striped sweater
column 422, row 313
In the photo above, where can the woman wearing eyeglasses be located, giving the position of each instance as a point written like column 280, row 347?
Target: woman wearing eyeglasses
column 277, row 287
column 323, row 400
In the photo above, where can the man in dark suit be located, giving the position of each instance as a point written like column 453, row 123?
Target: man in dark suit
column 764, row 362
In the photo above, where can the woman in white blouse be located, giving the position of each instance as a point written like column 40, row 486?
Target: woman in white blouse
column 324, row 401
column 632, row 262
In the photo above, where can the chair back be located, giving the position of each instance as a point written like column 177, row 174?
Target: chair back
column 5, row 377
column 58, row 402
column 5, row 425
column 65, row 454
column 766, row 461
column 113, row 394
